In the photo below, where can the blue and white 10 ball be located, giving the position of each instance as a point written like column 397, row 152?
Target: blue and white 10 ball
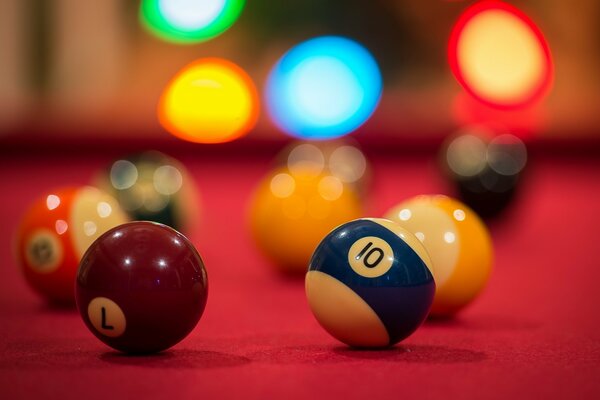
column 369, row 283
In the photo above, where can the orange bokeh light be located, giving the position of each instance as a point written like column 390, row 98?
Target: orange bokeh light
column 209, row 101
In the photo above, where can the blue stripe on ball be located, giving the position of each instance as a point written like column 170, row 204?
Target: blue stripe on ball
column 397, row 296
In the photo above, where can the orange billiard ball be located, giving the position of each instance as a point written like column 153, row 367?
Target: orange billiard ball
column 56, row 231
column 458, row 243
column 293, row 209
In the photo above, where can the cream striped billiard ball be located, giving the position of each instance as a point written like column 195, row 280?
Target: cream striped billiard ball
column 459, row 244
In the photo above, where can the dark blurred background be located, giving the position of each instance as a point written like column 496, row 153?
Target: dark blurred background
column 75, row 72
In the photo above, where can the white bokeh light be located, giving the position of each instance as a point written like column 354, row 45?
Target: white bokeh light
column 191, row 14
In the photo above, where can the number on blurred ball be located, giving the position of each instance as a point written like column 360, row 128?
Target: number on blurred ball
column 56, row 231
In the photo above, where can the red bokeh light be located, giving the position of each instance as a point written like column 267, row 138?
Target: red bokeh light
column 544, row 79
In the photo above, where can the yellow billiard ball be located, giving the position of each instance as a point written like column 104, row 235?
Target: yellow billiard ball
column 292, row 210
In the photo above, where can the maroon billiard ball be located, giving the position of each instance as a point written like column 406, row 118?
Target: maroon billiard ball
column 141, row 287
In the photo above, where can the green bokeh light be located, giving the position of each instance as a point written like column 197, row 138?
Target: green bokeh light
column 173, row 21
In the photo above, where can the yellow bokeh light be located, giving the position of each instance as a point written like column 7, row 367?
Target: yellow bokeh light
column 210, row 101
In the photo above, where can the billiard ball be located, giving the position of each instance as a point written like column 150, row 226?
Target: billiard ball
column 341, row 158
column 141, row 287
column 458, row 242
column 369, row 283
column 56, row 231
column 485, row 170
column 152, row 186
column 292, row 210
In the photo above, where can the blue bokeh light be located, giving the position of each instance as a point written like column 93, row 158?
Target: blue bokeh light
column 323, row 88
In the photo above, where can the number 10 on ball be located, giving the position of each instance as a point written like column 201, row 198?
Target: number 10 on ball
column 369, row 283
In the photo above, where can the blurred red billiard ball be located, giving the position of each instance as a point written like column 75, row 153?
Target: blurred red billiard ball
column 141, row 287
column 55, row 233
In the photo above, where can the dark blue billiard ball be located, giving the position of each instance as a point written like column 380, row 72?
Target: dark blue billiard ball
column 369, row 283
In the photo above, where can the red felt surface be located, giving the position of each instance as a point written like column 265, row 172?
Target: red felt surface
column 535, row 331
